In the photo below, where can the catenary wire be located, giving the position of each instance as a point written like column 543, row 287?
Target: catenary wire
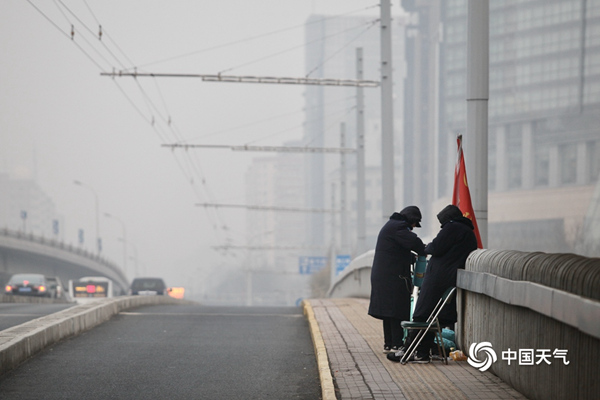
column 291, row 49
column 252, row 38
column 239, row 127
column 371, row 24
column 66, row 35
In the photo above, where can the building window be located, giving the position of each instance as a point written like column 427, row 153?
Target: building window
column 542, row 166
column 594, row 160
column 514, row 158
column 568, row 163
column 492, row 160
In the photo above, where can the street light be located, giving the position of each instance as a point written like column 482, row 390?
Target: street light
column 98, row 240
column 135, row 257
column 124, row 239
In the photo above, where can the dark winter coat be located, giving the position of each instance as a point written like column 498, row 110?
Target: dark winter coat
column 449, row 251
column 391, row 284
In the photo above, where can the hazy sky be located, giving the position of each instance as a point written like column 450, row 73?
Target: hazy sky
column 61, row 121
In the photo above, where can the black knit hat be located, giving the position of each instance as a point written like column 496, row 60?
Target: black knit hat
column 412, row 214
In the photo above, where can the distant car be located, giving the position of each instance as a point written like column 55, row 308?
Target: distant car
column 30, row 285
column 90, row 288
column 148, row 286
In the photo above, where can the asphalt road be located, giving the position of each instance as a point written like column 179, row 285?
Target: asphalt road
column 177, row 352
column 12, row 314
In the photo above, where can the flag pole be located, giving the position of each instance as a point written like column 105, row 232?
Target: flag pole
column 461, row 195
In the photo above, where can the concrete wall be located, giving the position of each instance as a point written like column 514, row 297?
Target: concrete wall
column 534, row 302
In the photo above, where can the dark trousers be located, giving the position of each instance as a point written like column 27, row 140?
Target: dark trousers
column 393, row 333
column 428, row 342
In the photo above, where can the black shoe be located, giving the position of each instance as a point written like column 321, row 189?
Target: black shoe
column 396, row 355
column 399, row 350
column 386, row 349
column 419, row 358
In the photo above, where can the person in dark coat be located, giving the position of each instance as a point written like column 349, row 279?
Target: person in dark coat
column 449, row 251
column 391, row 284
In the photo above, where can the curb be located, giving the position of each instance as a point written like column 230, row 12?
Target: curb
column 20, row 342
column 327, row 387
column 11, row 298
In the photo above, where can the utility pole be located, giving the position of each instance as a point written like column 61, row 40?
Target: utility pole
column 333, row 250
column 124, row 240
column 476, row 138
column 361, row 234
column 387, row 113
column 98, row 239
column 343, row 208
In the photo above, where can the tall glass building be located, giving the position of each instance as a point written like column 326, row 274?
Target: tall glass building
column 544, row 115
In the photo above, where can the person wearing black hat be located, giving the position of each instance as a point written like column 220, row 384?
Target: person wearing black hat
column 449, row 251
column 391, row 283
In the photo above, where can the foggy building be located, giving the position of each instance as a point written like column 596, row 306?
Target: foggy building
column 544, row 113
column 260, row 179
column 274, row 237
column 25, row 207
column 331, row 53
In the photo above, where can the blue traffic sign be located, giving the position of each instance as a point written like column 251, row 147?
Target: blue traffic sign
column 309, row 265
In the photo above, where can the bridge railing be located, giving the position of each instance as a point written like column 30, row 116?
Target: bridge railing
column 69, row 248
column 540, row 314
column 355, row 279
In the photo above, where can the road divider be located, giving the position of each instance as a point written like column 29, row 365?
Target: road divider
column 20, row 342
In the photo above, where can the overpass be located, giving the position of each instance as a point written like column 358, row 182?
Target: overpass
column 22, row 253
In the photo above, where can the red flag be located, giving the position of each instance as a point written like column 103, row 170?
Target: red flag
column 461, row 196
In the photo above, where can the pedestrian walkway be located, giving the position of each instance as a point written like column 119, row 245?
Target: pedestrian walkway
column 353, row 350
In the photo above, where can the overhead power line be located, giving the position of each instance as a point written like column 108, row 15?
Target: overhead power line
column 267, row 208
column 280, row 149
column 251, row 79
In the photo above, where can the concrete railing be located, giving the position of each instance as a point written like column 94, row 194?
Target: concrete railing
column 540, row 314
column 23, row 341
column 63, row 254
column 355, row 279
column 57, row 244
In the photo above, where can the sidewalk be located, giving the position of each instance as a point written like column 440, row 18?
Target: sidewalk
column 349, row 347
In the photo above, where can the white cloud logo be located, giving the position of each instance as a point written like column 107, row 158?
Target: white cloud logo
column 474, row 353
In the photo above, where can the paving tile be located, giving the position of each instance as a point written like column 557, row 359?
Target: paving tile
column 354, row 344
